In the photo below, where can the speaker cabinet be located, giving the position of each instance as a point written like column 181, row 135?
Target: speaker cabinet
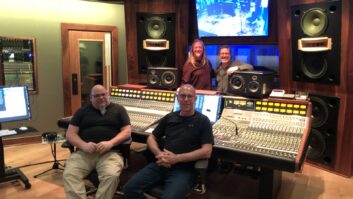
column 316, row 42
column 163, row 78
column 254, row 84
column 322, row 142
column 155, row 40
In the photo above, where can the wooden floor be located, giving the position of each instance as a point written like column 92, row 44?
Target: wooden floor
column 311, row 183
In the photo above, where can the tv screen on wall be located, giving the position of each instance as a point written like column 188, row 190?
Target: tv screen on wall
column 219, row 18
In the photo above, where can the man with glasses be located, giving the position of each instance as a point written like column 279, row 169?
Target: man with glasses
column 96, row 130
column 187, row 137
column 227, row 67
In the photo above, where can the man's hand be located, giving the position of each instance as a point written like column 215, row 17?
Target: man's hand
column 167, row 158
column 104, row 146
column 89, row 147
column 232, row 69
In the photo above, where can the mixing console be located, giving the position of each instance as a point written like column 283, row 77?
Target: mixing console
column 145, row 107
column 275, row 129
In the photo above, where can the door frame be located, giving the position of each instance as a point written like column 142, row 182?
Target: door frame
column 65, row 28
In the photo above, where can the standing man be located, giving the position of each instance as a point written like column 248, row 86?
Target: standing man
column 187, row 137
column 96, row 130
column 227, row 67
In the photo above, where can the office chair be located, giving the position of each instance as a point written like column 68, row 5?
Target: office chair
column 200, row 181
column 124, row 149
column 199, row 186
column 93, row 176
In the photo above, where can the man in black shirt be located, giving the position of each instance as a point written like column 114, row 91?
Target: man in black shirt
column 96, row 130
column 187, row 137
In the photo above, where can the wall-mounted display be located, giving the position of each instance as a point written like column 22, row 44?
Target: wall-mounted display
column 18, row 62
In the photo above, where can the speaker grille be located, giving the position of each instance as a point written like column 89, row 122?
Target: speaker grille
column 256, row 84
column 320, row 62
column 155, row 27
column 163, row 78
column 323, row 134
column 314, row 22
column 314, row 65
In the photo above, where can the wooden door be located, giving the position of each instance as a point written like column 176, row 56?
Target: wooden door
column 87, row 60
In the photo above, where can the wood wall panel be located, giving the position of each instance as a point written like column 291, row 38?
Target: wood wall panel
column 344, row 150
column 280, row 33
column 186, row 30
column 180, row 7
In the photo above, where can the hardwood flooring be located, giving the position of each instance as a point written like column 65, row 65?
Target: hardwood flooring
column 311, row 183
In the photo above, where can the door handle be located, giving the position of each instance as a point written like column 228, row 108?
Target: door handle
column 74, row 84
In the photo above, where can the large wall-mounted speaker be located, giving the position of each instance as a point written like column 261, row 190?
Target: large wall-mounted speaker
column 316, row 42
column 163, row 78
column 254, row 84
column 155, row 40
column 322, row 141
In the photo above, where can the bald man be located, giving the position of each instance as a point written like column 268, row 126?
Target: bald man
column 96, row 130
column 187, row 137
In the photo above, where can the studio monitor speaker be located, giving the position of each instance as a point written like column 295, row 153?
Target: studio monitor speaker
column 155, row 40
column 322, row 142
column 254, row 84
column 163, row 78
column 316, row 42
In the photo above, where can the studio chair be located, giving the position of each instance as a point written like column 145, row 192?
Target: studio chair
column 124, row 149
column 200, row 181
column 199, row 186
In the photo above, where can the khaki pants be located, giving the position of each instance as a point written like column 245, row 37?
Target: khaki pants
column 80, row 164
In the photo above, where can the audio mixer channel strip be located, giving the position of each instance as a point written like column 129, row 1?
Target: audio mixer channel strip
column 270, row 133
column 145, row 107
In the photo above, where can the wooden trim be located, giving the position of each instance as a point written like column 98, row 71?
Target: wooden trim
column 65, row 28
column 22, row 140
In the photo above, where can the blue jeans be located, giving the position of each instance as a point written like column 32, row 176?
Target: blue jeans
column 178, row 181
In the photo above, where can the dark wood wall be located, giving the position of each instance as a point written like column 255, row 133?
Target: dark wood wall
column 185, row 31
column 344, row 141
column 180, row 7
column 280, row 33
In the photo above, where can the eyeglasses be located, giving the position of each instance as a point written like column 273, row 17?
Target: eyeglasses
column 98, row 95
column 185, row 96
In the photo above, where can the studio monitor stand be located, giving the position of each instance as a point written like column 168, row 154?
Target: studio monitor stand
column 56, row 163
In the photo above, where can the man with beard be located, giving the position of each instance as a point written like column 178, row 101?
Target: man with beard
column 96, row 130
column 227, row 67
column 187, row 137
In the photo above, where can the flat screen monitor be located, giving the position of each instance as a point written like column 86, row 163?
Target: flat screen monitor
column 209, row 105
column 232, row 18
column 14, row 103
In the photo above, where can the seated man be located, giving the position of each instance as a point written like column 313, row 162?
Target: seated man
column 96, row 130
column 188, row 137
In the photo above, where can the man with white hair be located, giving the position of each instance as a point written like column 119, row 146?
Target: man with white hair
column 187, row 137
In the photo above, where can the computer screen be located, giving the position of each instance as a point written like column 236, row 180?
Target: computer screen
column 14, row 104
column 209, row 105
column 232, row 18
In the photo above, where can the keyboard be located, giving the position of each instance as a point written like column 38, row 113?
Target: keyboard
column 6, row 132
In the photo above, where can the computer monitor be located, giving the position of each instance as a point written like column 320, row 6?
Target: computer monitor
column 209, row 105
column 14, row 103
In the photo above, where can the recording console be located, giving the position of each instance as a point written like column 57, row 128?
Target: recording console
column 144, row 106
column 270, row 134
column 273, row 132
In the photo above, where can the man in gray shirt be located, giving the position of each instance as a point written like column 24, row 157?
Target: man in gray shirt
column 227, row 67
